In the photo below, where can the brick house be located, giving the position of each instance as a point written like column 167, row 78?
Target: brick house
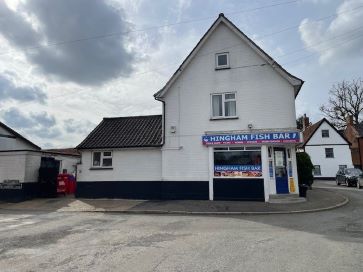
column 354, row 134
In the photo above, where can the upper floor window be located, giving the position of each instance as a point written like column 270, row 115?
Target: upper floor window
column 329, row 153
column 224, row 105
column 102, row 159
column 222, row 60
column 325, row 133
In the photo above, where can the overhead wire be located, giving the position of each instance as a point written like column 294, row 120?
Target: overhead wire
column 259, row 38
column 108, row 35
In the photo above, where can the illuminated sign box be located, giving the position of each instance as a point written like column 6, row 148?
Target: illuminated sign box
column 252, row 138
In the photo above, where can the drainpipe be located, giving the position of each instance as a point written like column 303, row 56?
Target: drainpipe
column 163, row 117
column 360, row 158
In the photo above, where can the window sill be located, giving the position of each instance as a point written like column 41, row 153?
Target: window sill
column 223, row 118
column 222, row 68
column 101, row 168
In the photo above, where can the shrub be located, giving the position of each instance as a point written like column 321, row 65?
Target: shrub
column 304, row 168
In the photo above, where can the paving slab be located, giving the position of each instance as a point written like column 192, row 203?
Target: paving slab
column 317, row 200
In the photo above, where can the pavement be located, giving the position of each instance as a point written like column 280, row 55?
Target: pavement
column 96, row 241
column 318, row 199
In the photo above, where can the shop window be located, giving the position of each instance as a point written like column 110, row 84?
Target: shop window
column 237, row 163
column 329, row 153
column 224, row 105
column 222, row 60
column 325, row 133
column 102, row 159
column 317, row 171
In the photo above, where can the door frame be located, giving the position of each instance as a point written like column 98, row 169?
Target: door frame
column 285, row 161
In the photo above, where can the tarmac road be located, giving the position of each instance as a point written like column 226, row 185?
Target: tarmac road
column 323, row 241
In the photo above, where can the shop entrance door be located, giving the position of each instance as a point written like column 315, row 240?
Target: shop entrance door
column 282, row 186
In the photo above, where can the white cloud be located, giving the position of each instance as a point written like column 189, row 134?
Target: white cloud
column 341, row 38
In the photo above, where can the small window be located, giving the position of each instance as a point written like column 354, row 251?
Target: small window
column 96, row 159
column 102, row 159
column 224, row 105
column 329, row 153
column 317, row 170
column 325, row 133
column 222, row 60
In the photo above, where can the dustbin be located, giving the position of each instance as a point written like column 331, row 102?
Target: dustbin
column 302, row 190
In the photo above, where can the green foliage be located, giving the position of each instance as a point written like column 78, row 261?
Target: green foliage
column 304, row 168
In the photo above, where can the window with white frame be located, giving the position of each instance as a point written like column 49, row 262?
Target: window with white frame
column 329, row 153
column 102, row 159
column 224, row 105
column 222, row 60
column 325, row 133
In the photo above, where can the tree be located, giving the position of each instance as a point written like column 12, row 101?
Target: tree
column 304, row 168
column 346, row 99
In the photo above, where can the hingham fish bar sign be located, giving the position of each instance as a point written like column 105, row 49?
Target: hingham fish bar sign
column 252, row 138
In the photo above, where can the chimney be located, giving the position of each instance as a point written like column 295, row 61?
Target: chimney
column 349, row 120
column 306, row 122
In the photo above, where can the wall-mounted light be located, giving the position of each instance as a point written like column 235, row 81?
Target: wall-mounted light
column 172, row 129
column 250, row 126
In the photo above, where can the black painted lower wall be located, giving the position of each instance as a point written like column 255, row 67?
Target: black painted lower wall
column 27, row 191
column 239, row 189
column 195, row 190
column 324, row 178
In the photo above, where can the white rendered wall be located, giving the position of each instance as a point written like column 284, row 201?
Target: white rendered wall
column 24, row 165
column 333, row 139
column 329, row 166
column 128, row 165
column 264, row 99
column 315, row 147
column 12, row 166
column 13, row 143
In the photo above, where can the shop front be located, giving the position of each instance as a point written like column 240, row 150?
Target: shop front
column 252, row 166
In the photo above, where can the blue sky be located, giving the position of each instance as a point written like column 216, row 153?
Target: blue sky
column 66, row 64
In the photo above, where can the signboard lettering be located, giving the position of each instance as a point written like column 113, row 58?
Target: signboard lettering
column 252, row 138
column 238, row 171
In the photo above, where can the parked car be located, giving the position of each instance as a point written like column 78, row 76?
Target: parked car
column 350, row 177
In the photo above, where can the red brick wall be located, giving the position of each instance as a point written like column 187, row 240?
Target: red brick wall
column 356, row 147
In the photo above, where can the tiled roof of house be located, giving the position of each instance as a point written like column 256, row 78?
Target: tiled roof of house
column 63, row 151
column 124, row 132
column 310, row 130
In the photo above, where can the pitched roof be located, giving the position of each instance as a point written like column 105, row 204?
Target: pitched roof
column 124, row 132
column 295, row 81
column 310, row 131
column 63, row 151
column 17, row 135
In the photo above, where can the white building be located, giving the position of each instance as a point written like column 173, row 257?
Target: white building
column 328, row 149
column 20, row 160
column 227, row 131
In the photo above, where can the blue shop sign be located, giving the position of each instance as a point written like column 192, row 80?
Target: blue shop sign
column 252, row 138
column 237, row 167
